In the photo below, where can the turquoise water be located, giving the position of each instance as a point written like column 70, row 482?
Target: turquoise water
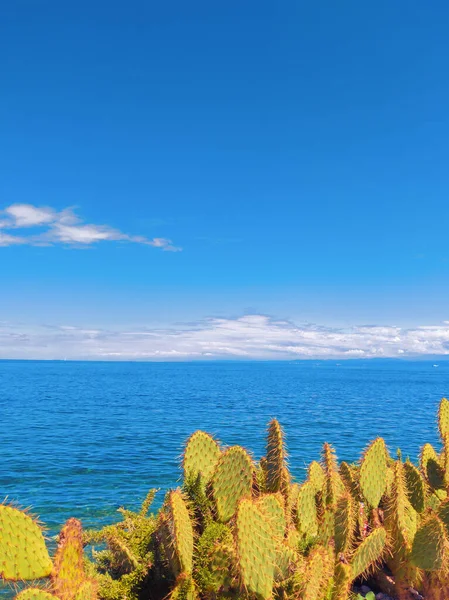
column 83, row 438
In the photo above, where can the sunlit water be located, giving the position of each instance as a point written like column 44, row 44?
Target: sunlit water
column 83, row 438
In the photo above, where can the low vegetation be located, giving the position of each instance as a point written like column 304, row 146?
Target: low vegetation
column 240, row 529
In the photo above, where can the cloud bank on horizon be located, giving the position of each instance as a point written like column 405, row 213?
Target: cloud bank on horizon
column 247, row 337
column 63, row 227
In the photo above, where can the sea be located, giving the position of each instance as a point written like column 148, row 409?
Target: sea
column 82, row 439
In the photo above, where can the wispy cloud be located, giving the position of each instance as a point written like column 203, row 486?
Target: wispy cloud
column 247, row 337
column 46, row 226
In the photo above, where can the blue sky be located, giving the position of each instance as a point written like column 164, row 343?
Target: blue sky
column 169, row 166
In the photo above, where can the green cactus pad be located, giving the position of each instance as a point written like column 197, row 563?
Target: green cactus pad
column 428, row 545
column 68, row 573
column 326, row 527
column 23, row 554
column 272, row 506
column 231, row 481
column 256, row 549
column 318, row 574
column 373, row 472
column 342, row 581
column 35, row 594
column 369, row 552
column 306, row 510
column 415, row 487
column 334, row 486
column 179, row 530
column 348, row 476
column 201, row 456
column 275, row 456
column 400, row 516
column 345, row 523
column 431, row 467
column 316, row 476
column 443, row 418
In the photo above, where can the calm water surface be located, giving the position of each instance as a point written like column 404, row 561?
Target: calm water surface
column 81, row 439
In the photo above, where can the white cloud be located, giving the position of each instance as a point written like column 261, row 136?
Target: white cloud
column 64, row 227
column 247, row 337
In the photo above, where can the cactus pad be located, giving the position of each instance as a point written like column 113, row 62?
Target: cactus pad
column 35, row 594
column 68, row 573
column 231, row 481
column 201, row 456
column 272, row 506
column 23, row 554
column 431, row 468
column 306, row 510
column 342, row 581
column 256, row 549
column 369, row 552
column 179, row 530
column 318, row 574
column 348, row 476
column 275, row 456
column 345, row 523
column 373, row 472
column 428, row 545
column 334, row 485
column 443, row 418
column 316, row 476
column 415, row 487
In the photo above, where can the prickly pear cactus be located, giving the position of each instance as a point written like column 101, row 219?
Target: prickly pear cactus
column 272, row 506
column 344, row 524
column 316, row 476
column 68, row 573
column 200, row 456
column 342, row 581
column 35, row 594
column 431, row 468
column 415, row 487
column 275, row 456
column 318, row 574
column 256, row 549
column 348, row 475
column 369, row 553
column 334, row 486
column 306, row 510
column 23, row 554
column 231, row 481
column 429, row 545
column 443, row 418
column 177, row 533
column 373, row 472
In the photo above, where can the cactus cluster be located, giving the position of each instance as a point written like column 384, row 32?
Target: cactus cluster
column 240, row 529
column 24, row 557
